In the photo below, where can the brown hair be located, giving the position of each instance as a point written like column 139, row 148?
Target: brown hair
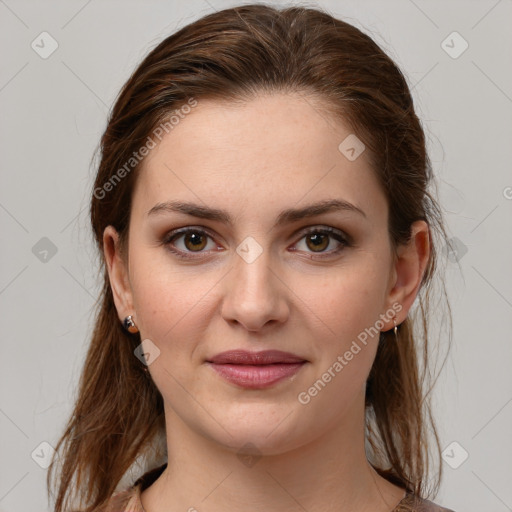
column 229, row 55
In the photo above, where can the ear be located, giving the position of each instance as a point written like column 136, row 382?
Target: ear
column 118, row 273
column 408, row 269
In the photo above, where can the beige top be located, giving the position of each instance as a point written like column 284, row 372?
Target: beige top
column 129, row 500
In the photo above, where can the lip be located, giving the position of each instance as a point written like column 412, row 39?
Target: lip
column 255, row 358
column 256, row 370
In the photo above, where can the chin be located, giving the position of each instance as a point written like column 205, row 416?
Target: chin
column 257, row 443
column 260, row 432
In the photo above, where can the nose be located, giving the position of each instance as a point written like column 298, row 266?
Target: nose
column 254, row 295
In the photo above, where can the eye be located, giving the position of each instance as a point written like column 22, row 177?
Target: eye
column 184, row 242
column 192, row 242
column 319, row 240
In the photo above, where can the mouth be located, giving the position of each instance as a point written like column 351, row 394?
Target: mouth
column 256, row 370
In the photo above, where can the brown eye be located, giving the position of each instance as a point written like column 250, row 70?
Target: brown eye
column 323, row 242
column 195, row 241
column 189, row 242
column 317, row 242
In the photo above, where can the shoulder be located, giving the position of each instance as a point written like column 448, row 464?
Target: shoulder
column 125, row 501
column 412, row 503
column 129, row 500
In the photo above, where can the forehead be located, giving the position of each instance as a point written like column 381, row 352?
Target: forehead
column 271, row 150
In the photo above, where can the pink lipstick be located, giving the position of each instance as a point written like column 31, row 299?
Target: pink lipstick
column 256, row 370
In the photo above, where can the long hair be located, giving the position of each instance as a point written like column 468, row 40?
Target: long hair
column 229, row 55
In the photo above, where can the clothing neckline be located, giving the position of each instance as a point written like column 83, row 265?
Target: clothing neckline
column 142, row 483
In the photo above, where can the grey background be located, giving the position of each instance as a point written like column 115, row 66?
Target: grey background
column 53, row 112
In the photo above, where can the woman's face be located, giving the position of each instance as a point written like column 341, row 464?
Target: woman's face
column 259, row 269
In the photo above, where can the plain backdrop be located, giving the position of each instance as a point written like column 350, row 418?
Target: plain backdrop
column 456, row 56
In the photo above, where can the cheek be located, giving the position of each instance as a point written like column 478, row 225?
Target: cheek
column 343, row 357
column 349, row 304
column 168, row 301
column 350, row 300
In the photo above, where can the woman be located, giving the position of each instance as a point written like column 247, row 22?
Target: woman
column 265, row 225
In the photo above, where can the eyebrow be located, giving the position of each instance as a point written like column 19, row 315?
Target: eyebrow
column 286, row 216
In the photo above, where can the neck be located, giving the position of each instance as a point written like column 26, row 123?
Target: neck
column 329, row 473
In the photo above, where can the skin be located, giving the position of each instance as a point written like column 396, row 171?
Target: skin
column 255, row 159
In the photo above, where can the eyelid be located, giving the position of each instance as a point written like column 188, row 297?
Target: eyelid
column 176, row 233
column 319, row 228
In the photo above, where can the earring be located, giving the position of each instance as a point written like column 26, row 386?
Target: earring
column 395, row 329
column 129, row 325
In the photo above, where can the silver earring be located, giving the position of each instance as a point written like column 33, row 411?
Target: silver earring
column 395, row 329
column 129, row 325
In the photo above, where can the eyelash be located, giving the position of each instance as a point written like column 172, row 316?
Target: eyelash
column 333, row 233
